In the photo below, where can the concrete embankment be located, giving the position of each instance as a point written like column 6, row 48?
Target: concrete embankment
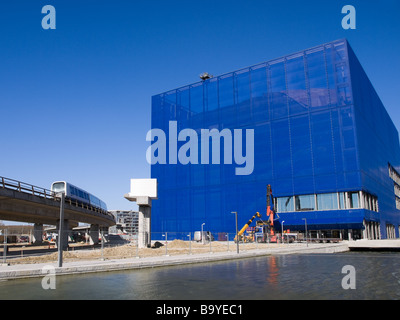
column 375, row 245
column 19, row 271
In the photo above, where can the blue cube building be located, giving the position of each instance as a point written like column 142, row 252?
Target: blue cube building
column 322, row 139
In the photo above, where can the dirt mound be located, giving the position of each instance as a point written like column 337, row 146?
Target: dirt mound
column 178, row 244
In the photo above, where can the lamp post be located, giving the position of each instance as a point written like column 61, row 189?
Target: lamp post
column 237, row 236
column 305, row 222
column 282, row 231
column 202, row 234
column 166, row 243
column 60, row 229
column 5, row 247
column 102, row 244
column 190, row 243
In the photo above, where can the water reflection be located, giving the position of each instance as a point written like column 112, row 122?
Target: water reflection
column 270, row 277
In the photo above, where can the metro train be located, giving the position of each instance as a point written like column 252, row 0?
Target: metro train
column 77, row 194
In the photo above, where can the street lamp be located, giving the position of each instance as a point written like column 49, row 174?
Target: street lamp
column 166, row 243
column 190, row 243
column 305, row 222
column 202, row 234
column 61, row 195
column 282, row 231
column 237, row 235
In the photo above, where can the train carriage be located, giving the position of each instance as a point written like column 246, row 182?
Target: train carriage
column 77, row 194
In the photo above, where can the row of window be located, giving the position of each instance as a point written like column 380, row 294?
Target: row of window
column 79, row 193
column 390, row 231
column 397, row 190
column 327, row 201
column 395, row 176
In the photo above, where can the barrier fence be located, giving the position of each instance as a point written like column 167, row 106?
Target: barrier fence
column 84, row 245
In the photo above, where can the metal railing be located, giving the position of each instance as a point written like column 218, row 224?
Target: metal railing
column 7, row 183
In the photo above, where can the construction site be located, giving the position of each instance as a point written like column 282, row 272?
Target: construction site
column 257, row 234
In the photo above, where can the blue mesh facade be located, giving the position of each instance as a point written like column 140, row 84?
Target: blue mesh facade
column 319, row 130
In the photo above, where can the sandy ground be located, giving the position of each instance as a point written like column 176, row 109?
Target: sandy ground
column 175, row 247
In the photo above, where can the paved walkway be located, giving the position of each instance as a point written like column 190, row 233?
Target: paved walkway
column 18, row 271
column 382, row 244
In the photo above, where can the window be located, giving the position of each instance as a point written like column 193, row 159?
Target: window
column 285, row 204
column 353, row 200
column 305, row 203
column 369, row 201
column 327, row 201
column 395, row 176
column 375, row 204
column 342, row 200
column 59, row 187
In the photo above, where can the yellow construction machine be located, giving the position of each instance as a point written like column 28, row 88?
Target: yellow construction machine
column 264, row 230
column 242, row 237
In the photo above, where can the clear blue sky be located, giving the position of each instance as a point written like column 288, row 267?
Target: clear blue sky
column 75, row 102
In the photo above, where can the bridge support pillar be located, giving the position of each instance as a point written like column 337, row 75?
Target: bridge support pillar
column 94, row 234
column 143, row 191
column 144, row 234
column 64, row 233
column 37, row 234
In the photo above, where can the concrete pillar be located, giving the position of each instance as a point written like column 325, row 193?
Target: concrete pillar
column 371, row 231
column 144, row 235
column 94, row 234
column 365, row 232
column 103, row 231
column 143, row 191
column 37, row 234
column 379, row 231
column 64, row 234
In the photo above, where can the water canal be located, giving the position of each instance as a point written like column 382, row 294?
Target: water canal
column 312, row 276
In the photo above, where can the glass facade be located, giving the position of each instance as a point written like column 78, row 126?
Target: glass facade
column 315, row 118
column 327, row 201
